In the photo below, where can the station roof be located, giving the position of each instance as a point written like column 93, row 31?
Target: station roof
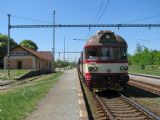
column 45, row 55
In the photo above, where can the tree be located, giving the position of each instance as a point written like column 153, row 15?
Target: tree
column 4, row 44
column 61, row 63
column 145, row 56
column 139, row 48
column 29, row 44
column 4, row 47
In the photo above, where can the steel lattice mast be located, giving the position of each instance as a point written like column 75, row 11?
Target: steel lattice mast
column 86, row 25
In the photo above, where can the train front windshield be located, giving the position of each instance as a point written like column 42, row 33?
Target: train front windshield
column 106, row 53
column 91, row 53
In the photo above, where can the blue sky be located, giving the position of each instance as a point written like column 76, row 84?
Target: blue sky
column 81, row 12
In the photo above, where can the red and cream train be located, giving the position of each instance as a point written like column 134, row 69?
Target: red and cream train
column 103, row 62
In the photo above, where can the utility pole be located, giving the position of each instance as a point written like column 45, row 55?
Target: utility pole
column 8, row 49
column 68, row 53
column 59, row 55
column 64, row 49
column 53, row 49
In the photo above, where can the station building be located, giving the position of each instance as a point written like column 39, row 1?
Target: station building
column 24, row 58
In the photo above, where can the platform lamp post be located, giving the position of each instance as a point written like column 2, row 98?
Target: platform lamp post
column 79, row 39
column 8, row 47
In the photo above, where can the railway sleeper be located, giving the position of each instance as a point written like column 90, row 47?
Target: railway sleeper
column 135, row 114
column 137, row 118
column 123, row 111
column 120, row 107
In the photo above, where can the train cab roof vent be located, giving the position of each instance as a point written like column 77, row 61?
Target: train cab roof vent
column 104, row 32
column 107, row 37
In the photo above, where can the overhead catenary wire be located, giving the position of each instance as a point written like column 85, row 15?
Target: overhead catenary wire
column 140, row 32
column 141, row 19
column 30, row 19
column 102, row 13
column 98, row 14
column 99, row 9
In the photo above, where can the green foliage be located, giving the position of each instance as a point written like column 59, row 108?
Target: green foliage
column 16, row 104
column 144, row 56
column 29, row 44
column 4, row 47
column 4, row 44
column 60, row 64
column 145, row 69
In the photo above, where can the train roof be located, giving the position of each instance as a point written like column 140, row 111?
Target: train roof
column 106, row 37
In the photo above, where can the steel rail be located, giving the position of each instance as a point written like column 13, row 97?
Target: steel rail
column 110, row 115
column 111, row 110
column 104, row 107
column 155, row 89
column 139, row 107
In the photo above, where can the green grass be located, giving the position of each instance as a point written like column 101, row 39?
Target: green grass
column 149, row 70
column 17, row 104
column 145, row 72
column 13, row 73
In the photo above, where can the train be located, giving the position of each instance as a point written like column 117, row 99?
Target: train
column 103, row 63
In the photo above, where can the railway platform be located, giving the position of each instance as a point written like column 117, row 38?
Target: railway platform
column 146, row 78
column 63, row 102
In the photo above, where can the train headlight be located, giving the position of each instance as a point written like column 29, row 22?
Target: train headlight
column 124, row 68
column 95, row 68
column 121, row 68
column 92, row 68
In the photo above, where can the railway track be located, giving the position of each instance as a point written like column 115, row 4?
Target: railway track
column 7, row 85
column 115, row 106
column 119, row 107
column 155, row 89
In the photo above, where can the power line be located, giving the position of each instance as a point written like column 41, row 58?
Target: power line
column 101, row 15
column 98, row 17
column 141, row 19
column 100, row 7
column 30, row 19
column 146, row 11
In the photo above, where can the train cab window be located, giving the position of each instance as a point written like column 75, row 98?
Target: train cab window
column 123, row 53
column 108, row 53
column 105, row 54
column 91, row 53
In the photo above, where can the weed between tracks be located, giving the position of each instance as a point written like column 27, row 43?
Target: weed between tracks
column 17, row 104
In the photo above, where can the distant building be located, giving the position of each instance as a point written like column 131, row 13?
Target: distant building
column 24, row 58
